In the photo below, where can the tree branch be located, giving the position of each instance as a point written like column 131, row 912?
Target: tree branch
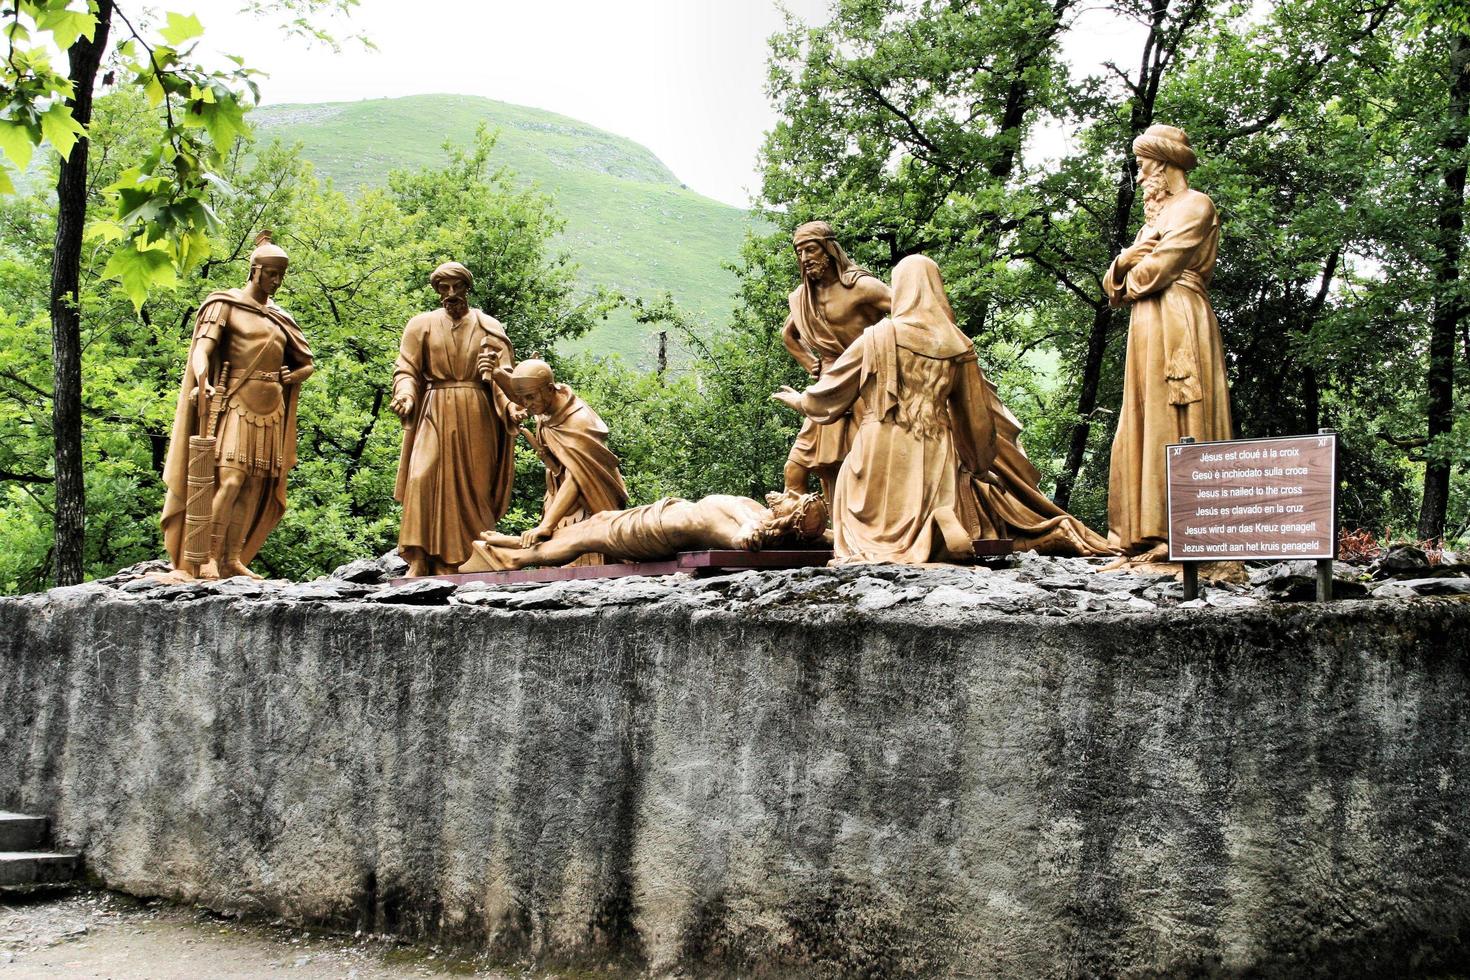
column 25, row 477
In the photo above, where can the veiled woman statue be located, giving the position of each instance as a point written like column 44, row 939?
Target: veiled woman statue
column 935, row 464
column 915, row 389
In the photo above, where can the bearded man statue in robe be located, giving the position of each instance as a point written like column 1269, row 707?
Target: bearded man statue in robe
column 835, row 302
column 248, row 359
column 583, row 476
column 457, row 462
column 1174, row 377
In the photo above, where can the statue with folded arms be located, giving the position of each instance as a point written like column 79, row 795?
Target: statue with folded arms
column 661, row 530
column 1174, row 377
column 582, row 474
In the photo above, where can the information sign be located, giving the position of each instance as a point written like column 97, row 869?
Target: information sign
column 1253, row 499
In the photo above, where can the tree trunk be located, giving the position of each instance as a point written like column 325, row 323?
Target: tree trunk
column 1140, row 116
column 1311, row 383
column 1097, row 339
column 1447, row 308
column 66, row 327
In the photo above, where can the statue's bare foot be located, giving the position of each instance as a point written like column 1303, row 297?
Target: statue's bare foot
column 233, row 567
column 1158, row 553
column 209, row 570
column 174, row 576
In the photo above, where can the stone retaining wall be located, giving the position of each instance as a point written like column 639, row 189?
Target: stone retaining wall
column 710, row 780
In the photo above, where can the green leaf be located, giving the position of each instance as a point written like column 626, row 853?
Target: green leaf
column 138, row 272
column 106, row 231
column 135, row 204
column 66, row 25
column 152, row 88
column 7, row 186
column 193, row 249
column 181, row 28
column 58, row 126
column 17, row 142
column 224, row 120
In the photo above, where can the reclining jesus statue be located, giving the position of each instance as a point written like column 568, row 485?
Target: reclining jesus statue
column 660, row 530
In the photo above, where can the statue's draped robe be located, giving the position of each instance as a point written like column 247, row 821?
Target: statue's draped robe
column 823, row 445
column 1007, row 502
column 257, row 430
column 574, row 438
column 1174, row 379
column 457, row 462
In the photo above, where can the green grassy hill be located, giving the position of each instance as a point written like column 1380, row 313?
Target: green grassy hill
column 630, row 223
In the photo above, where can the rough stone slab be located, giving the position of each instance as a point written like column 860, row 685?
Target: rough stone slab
column 365, row 570
column 36, row 867
column 417, row 592
column 1409, row 588
column 327, row 590
column 21, row 832
column 1296, row 581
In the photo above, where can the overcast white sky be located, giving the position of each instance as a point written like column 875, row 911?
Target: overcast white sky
column 686, row 78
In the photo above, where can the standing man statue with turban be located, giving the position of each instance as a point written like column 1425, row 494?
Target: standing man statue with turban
column 246, row 364
column 457, row 463
column 835, row 302
column 1174, row 378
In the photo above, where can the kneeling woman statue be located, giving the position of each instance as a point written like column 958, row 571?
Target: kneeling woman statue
column 935, row 465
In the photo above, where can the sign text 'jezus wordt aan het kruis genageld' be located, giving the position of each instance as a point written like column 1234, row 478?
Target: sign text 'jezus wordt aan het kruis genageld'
column 1252, row 498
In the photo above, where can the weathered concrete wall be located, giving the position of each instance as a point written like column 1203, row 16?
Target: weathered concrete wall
column 799, row 790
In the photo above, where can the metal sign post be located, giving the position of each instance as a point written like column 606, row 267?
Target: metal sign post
column 1190, row 573
column 1324, row 565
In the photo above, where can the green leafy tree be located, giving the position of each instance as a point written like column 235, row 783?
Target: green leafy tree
column 161, row 218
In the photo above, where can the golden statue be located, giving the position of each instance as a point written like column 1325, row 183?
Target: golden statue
column 936, row 464
column 457, row 462
column 835, row 302
column 1174, row 377
column 582, row 474
column 234, row 432
column 661, row 530
column 920, row 405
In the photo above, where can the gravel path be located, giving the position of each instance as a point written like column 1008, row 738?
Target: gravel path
column 102, row 934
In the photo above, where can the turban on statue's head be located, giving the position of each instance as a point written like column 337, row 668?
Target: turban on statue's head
column 451, row 270
column 1168, row 144
column 531, row 376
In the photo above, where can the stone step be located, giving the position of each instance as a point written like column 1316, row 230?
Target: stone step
column 37, row 867
column 21, row 832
